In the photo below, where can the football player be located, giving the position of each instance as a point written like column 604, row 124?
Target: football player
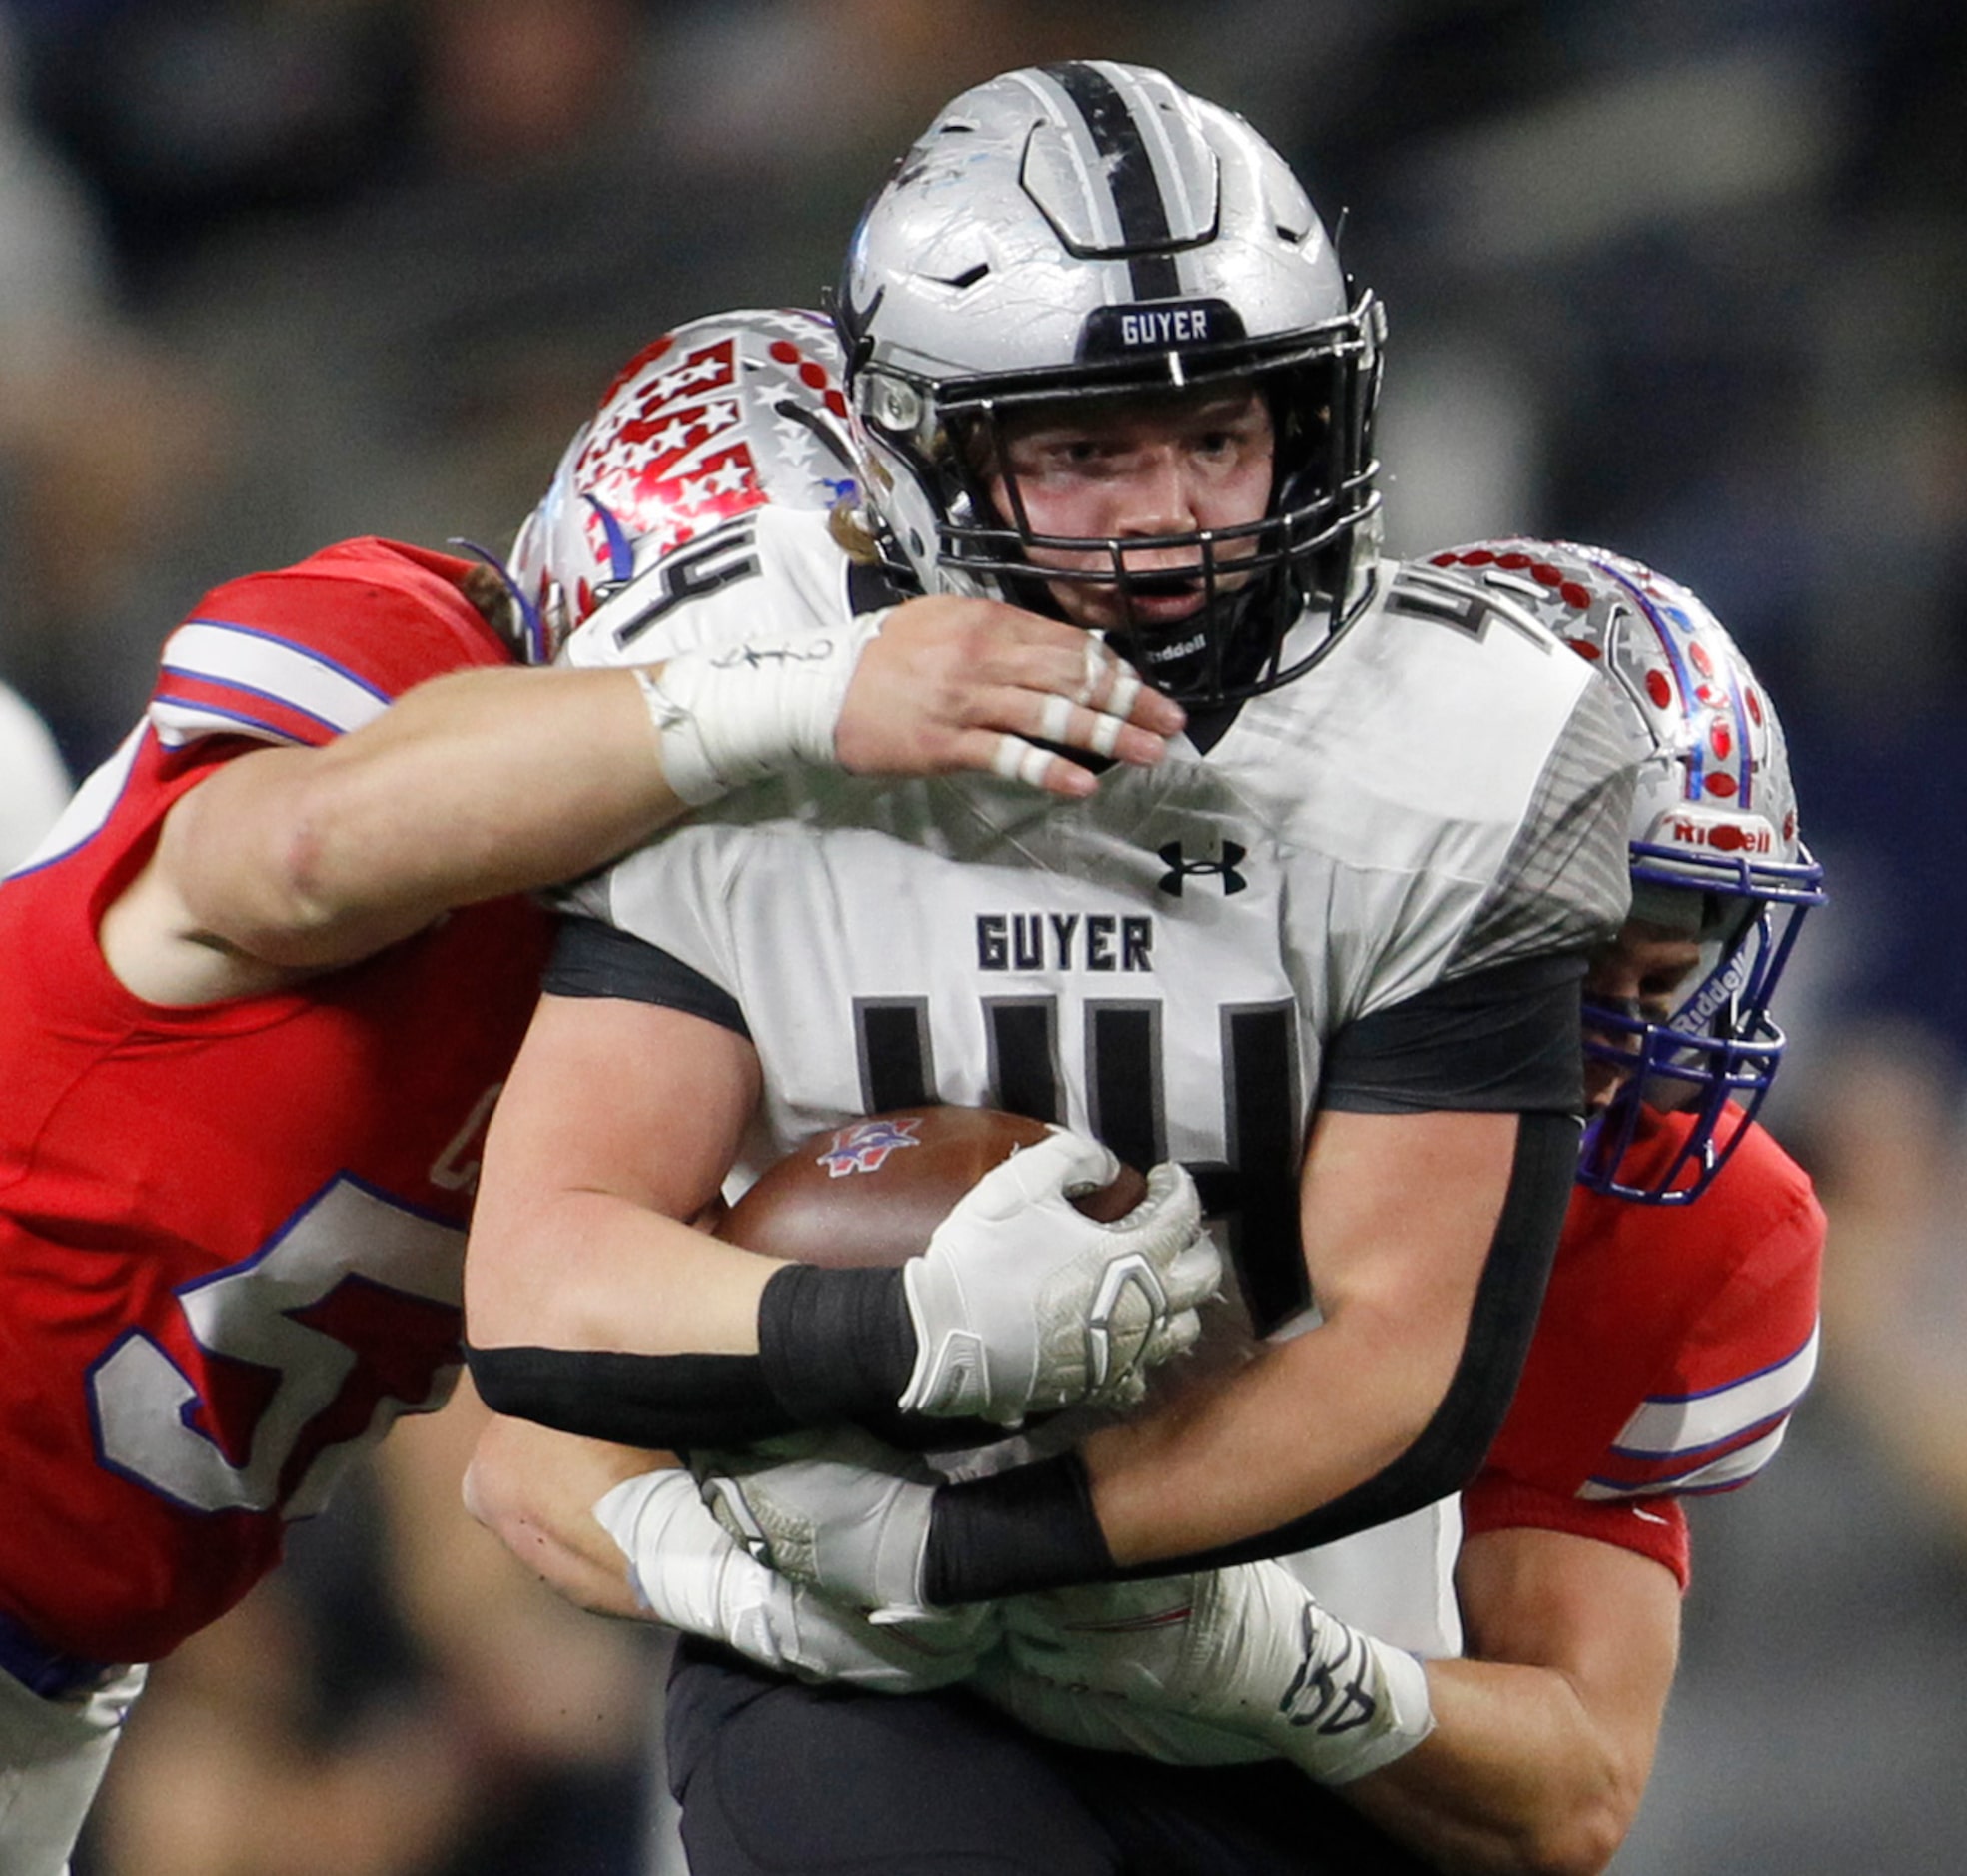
column 1101, row 359
column 247, row 1059
column 1675, row 1339
column 1673, row 1346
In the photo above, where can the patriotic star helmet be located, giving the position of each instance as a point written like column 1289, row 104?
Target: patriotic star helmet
column 1089, row 231
column 1714, row 847
column 712, row 421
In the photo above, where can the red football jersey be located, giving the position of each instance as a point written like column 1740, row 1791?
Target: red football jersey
column 1675, row 1341
column 231, row 1237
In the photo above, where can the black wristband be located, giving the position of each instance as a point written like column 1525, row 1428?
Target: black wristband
column 835, row 1345
column 674, row 1401
column 1032, row 1528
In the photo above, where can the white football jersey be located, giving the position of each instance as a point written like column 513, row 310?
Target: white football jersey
column 1162, row 966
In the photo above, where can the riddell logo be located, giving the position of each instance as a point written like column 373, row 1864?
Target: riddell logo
column 1723, row 837
column 1716, row 992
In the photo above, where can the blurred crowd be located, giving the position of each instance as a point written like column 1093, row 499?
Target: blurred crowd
column 1679, row 277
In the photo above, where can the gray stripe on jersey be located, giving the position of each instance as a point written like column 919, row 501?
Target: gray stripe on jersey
column 1567, row 882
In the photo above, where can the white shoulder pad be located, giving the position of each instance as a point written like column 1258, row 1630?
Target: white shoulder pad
column 763, row 575
column 1457, row 773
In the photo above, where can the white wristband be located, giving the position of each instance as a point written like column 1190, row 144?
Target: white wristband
column 1211, row 1669
column 1340, row 1729
column 732, row 715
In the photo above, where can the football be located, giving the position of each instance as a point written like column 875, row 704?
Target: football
column 872, row 1192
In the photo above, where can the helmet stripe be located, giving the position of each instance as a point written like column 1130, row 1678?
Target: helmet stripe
column 1684, row 680
column 1127, row 165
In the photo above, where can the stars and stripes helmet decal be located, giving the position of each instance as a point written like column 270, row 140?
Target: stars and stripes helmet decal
column 713, row 418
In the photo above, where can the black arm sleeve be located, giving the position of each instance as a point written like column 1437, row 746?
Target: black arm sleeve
column 1033, row 1529
column 834, row 1346
column 667, row 1402
column 1503, row 1040
column 592, row 959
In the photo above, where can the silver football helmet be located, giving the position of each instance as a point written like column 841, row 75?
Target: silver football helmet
column 1089, row 230
column 1714, row 847
column 712, row 420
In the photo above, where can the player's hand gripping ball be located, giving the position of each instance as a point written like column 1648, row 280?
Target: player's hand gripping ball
column 1039, row 1271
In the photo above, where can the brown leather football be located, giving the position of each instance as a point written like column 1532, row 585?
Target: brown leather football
column 872, row 1192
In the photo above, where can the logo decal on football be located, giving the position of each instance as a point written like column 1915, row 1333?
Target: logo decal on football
column 808, row 1209
column 865, row 1145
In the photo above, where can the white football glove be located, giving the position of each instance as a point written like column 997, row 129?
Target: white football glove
column 837, row 1510
column 689, row 1572
column 1117, row 1628
column 1243, row 1651
column 1021, row 1302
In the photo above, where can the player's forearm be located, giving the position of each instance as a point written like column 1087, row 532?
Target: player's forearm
column 590, row 1305
column 1519, row 1777
column 1232, row 1473
column 595, row 1271
column 1386, row 1406
column 1294, row 1429
column 472, row 785
column 535, row 1491
column 1426, row 1236
column 633, row 1330
column 1544, row 1737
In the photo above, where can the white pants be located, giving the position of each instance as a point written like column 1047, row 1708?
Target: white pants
column 53, row 1754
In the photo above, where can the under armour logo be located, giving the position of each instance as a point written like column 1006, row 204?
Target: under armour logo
column 1181, row 868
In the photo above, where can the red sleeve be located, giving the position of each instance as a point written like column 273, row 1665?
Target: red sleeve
column 1673, row 1343
column 310, row 651
column 1654, row 1528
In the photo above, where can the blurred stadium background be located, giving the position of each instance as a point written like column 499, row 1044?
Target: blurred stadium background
column 1682, row 276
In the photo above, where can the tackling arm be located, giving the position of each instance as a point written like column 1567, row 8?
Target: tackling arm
column 618, row 1125
column 535, row 1491
column 1528, row 1758
column 1399, row 1217
column 288, row 861
column 1544, row 1737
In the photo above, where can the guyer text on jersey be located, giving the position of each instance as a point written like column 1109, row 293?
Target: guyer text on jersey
column 1064, row 941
